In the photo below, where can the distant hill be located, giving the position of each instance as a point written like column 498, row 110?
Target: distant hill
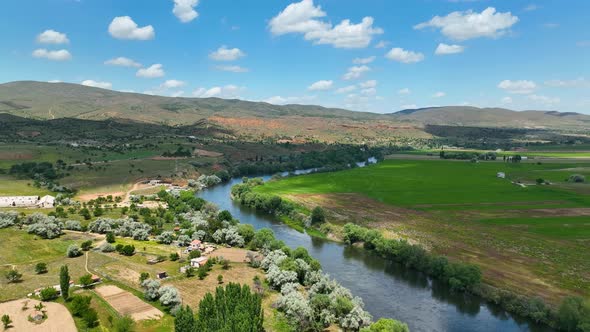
column 493, row 117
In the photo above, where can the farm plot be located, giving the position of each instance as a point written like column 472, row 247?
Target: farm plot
column 126, row 303
column 58, row 317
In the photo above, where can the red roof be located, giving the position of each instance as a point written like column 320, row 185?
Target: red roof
column 196, row 242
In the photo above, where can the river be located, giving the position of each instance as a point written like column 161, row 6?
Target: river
column 387, row 289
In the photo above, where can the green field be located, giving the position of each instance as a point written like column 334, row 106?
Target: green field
column 527, row 239
column 448, row 184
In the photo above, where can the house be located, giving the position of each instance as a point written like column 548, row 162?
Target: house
column 199, row 261
column 95, row 278
column 501, row 175
column 46, row 201
column 195, row 245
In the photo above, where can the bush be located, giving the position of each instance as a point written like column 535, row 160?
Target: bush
column 151, row 287
column 110, row 237
column 318, row 215
column 577, row 178
column 8, row 219
column 41, row 268
column 126, row 250
column 79, row 305
column 45, row 226
column 86, row 245
column 125, row 324
column 174, row 256
column 386, row 325
column 143, row 276
column 86, row 280
column 194, row 254
column 13, row 276
column 73, row 251
column 73, row 225
column 107, row 247
column 48, row 294
column 169, row 297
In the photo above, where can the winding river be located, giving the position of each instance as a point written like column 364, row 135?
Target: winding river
column 387, row 289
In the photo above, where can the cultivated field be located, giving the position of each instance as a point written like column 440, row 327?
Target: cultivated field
column 128, row 304
column 526, row 237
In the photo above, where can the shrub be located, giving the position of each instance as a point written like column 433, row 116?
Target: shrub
column 90, row 317
column 8, row 218
column 318, row 215
column 126, row 250
column 220, row 279
column 73, row 251
column 48, row 294
column 170, row 297
column 86, row 280
column 73, row 225
column 194, row 254
column 166, row 237
column 151, row 287
column 110, row 237
column 45, row 227
column 174, row 256
column 577, row 178
column 79, row 305
column 41, row 268
column 107, row 247
column 125, row 324
column 143, row 276
column 86, row 245
column 6, row 321
column 13, row 276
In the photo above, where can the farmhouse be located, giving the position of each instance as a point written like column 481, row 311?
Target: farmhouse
column 199, row 261
column 27, row 201
column 195, row 245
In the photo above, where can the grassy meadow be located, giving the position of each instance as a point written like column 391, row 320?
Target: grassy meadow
column 526, row 238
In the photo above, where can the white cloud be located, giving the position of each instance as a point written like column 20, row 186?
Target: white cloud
column 278, row 100
column 54, row 81
column 439, row 94
column 346, row 89
column 185, row 10
column 507, row 100
column 172, row 84
column 404, row 56
column 468, row 25
column 531, row 7
column 368, row 84
column 322, row 85
column 59, row 55
column 518, row 87
column 226, row 54
column 364, row 61
column 233, row 69
column 355, row 72
column 123, row 27
column 369, row 91
column 123, row 62
column 382, row 44
column 95, row 84
column 443, row 49
column 227, row 92
column 404, row 91
column 303, row 17
column 52, row 37
column 577, row 83
column 544, row 100
column 152, row 71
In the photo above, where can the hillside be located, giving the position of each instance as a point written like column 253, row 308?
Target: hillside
column 493, row 117
column 48, row 101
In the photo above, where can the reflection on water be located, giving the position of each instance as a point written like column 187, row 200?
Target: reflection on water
column 388, row 289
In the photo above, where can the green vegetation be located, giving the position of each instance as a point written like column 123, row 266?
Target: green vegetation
column 568, row 228
column 64, row 282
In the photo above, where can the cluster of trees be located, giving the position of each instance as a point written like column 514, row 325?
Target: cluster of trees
column 180, row 152
column 462, row 155
column 459, row 276
column 233, row 308
column 168, row 296
column 122, row 227
column 8, row 218
column 47, row 227
column 43, row 174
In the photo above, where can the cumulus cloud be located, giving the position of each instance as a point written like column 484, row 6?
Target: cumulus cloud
column 346, row 89
column 52, row 37
column 233, row 69
column 469, row 24
column 59, row 55
column 226, row 54
column 172, row 84
column 444, row 49
column 226, row 92
column 123, row 27
column 404, row 91
column 439, row 94
column 185, row 10
column 355, row 72
column 152, row 71
column 95, row 84
column 364, row 61
column 368, row 84
column 123, row 62
column 322, row 85
column 279, row 100
column 507, row 100
column 404, row 56
column 518, row 87
column 304, row 18
column 382, row 44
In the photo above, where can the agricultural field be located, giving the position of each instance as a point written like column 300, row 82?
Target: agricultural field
column 526, row 237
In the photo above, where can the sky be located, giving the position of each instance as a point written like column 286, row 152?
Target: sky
column 364, row 55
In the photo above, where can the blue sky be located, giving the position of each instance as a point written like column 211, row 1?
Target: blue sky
column 369, row 55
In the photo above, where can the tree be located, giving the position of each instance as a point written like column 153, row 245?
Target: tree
column 73, row 251
column 220, row 279
column 189, row 271
column 184, row 320
column 143, row 276
column 41, row 268
column 6, row 321
column 90, row 317
column 318, row 215
column 13, row 276
column 202, row 272
column 125, row 324
column 540, row 181
column 174, row 256
column 111, row 237
column 568, row 314
column 48, row 294
column 151, row 287
column 86, row 280
column 64, row 282
column 80, row 304
column 194, row 254
column 86, row 245
column 170, row 297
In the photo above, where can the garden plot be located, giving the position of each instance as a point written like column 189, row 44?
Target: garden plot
column 128, row 304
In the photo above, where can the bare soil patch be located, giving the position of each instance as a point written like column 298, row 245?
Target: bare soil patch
column 58, row 317
column 6, row 155
column 232, row 254
column 128, row 304
column 206, row 153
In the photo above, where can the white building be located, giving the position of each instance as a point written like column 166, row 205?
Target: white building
column 27, row 201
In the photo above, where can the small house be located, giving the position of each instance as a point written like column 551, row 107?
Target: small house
column 46, row 201
column 195, row 245
column 199, row 261
column 95, row 278
column 501, row 175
